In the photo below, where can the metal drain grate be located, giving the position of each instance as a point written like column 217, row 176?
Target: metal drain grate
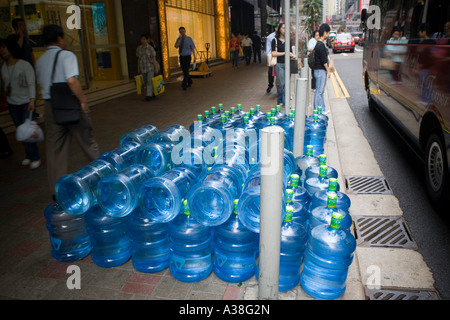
column 367, row 185
column 400, row 294
column 383, row 232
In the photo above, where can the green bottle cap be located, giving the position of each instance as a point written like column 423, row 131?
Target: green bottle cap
column 322, row 159
column 252, row 111
column 213, row 110
column 278, row 107
column 186, row 208
column 291, row 116
column 206, row 113
column 258, row 107
column 289, row 213
column 315, row 117
column 289, row 195
column 332, row 184
column 272, row 121
column 293, row 111
column 294, row 180
column 309, row 150
column 220, row 106
column 235, row 205
column 331, row 201
column 232, row 110
column 323, row 170
column 273, row 111
column 239, row 107
column 223, row 118
column 199, row 117
column 246, row 120
column 336, row 218
column 319, row 109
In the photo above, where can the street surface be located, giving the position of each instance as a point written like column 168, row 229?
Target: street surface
column 403, row 171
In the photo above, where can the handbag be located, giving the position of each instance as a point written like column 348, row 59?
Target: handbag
column 158, row 85
column 29, row 131
column 65, row 105
column 272, row 61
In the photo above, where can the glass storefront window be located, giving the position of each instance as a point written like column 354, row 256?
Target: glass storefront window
column 199, row 26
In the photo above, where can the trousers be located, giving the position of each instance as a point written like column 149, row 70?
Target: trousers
column 58, row 140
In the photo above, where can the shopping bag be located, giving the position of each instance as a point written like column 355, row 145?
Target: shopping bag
column 139, row 83
column 29, row 131
column 158, row 85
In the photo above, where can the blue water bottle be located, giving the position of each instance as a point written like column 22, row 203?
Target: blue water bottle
column 320, row 198
column 76, row 192
column 315, row 135
column 123, row 156
column 141, row 135
column 305, row 161
column 328, row 255
column 150, row 250
column 288, row 126
column 322, row 215
column 118, row 194
column 292, row 248
column 314, row 184
column 300, row 193
column 190, row 248
column 111, row 246
column 235, row 250
column 68, row 235
column 313, row 171
column 161, row 197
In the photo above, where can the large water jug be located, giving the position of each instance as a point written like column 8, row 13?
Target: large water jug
column 190, row 248
column 111, row 246
column 328, row 255
column 68, row 235
column 150, row 250
column 161, row 197
column 313, row 171
column 193, row 160
column 288, row 126
column 321, row 115
column 323, row 214
column 156, row 156
column 211, row 200
column 197, row 123
column 315, row 135
column 249, row 203
column 300, row 193
column 235, row 250
column 76, row 193
column 292, row 248
column 320, row 198
column 300, row 213
column 280, row 117
column 305, row 161
column 118, row 194
column 123, row 156
column 314, row 184
column 172, row 134
column 141, row 135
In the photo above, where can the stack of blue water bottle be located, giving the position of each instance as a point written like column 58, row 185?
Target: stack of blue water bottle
column 188, row 201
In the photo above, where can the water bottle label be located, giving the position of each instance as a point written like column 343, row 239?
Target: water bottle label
column 323, row 170
column 322, row 159
column 294, row 180
column 336, row 219
column 56, row 243
column 309, row 150
column 290, row 212
column 331, row 201
column 289, row 195
column 332, row 186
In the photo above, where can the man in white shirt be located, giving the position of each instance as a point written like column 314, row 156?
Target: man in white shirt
column 58, row 136
column 270, row 73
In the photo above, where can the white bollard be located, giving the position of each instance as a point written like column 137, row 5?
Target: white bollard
column 301, row 103
column 272, row 165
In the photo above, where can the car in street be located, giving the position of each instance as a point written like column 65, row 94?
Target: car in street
column 343, row 42
column 331, row 38
column 356, row 36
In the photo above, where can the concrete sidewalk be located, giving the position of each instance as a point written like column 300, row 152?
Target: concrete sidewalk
column 27, row 270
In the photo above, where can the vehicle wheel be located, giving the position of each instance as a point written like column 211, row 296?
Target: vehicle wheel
column 334, row 51
column 436, row 175
column 353, row 50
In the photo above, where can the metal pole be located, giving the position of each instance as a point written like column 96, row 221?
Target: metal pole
column 297, row 20
column 287, row 58
column 301, row 103
column 272, row 165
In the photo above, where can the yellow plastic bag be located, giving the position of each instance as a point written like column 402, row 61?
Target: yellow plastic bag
column 139, row 83
column 158, row 85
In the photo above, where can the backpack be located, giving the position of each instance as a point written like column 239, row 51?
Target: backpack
column 312, row 58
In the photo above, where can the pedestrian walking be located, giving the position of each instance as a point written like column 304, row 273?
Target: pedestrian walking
column 278, row 51
column 270, row 72
column 58, row 137
column 256, row 40
column 234, row 47
column 247, row 49
column 322, row 69
column 21, row 37
column 146, row 56
column 311, row 45
column 186, row 47
column 20, row 87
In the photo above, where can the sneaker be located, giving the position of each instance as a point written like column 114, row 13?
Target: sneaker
column 26, row 162
column 35, row 164
column 268, row 89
